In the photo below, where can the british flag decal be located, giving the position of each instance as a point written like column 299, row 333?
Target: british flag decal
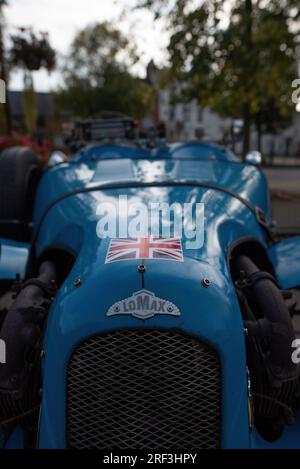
column 147, row 247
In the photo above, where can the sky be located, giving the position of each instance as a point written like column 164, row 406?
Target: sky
column 63, row 18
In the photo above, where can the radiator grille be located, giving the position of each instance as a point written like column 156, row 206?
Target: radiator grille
column 143, row 389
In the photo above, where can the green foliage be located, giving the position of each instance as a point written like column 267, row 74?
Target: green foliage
column 97, row 46
column 31, row 52
column 97, row 77
column 238, row 57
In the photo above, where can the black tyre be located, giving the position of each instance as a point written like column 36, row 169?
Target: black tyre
column 20, row 170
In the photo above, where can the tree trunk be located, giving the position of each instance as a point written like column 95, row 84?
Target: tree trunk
column 232, row 135
column 247, row 102
column 246, row 129
column 3, row 76
column 259, row 132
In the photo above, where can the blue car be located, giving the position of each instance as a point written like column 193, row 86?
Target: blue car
column 180, row 337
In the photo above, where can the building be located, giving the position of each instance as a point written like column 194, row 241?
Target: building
column 188, row 121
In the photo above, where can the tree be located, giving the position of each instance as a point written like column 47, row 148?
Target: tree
column 235, row 56
column 31, row 52
column 97, row 75
column 3, row 69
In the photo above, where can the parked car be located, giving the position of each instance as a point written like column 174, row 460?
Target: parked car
column 120, row 342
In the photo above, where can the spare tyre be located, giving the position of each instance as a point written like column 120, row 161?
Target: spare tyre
column 20, row 170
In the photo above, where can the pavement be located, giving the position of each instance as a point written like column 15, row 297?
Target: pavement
column 284, row 184
column 283, row 161
column 284, row 179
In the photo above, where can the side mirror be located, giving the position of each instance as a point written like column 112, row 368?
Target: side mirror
column 254, row 157
column 57, row 157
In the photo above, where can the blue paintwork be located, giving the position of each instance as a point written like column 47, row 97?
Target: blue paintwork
column 285, row 256
column 244, row 179
column 16, row 439
column 185, row 151
column 14, row 257
column 211, row 314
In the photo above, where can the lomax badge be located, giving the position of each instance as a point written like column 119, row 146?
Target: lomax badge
column 143, row 304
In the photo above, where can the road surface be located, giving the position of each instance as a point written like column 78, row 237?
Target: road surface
column 285, row 179
column 284, row 184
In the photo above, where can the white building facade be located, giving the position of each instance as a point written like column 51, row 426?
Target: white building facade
column 187, row 121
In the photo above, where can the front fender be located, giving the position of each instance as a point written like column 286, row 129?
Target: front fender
column 14, row 257
column 285, row 257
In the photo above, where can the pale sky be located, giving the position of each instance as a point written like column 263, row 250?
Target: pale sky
column 63, row 18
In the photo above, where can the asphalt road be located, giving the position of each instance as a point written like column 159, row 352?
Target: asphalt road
column 284, row 184
column 285, row 179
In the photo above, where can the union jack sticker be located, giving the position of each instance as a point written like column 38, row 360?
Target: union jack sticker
column 147, row 247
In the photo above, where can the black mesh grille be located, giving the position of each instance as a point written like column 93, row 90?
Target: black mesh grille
column 143, row 389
